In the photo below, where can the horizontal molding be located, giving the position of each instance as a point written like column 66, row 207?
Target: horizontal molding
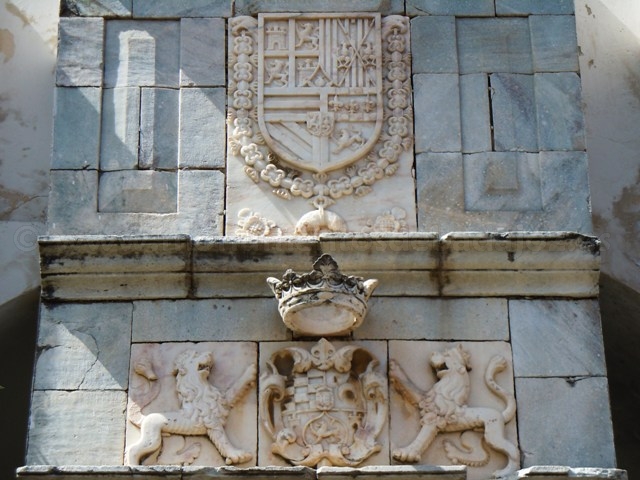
column 532, row 264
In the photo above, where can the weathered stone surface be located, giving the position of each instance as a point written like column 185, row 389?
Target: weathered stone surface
column 514, row 112
column 202, row 127
column 76, row 128
column 385, row 7
column 437, row 121
column 496, row 181
column 73, row 202
column 76, row 428
column 559, row 110
column 207, row 320
column 102, row 8
column 159, row 128
column 533, row 7
column 554, row 43
column 570, row 332
column 460, row 8
column 185, row 8
column 406, row 420
column 579, row 408
column 475, row 116
column 202, row 47
column 80, row 52
column 435, row 319
column 120, row 128
column 546, row 472
column 136, row 191
column 83, row 347
column 433, row 40
column 142, row 53
column 494, row 45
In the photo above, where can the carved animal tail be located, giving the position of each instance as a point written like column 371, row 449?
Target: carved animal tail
column 472, row 451
column 496, row 365
column 145, row 394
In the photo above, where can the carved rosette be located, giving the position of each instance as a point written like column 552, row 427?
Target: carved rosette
column 322, row 406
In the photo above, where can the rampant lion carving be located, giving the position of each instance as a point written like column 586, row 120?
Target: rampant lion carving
column 444, row 409
column 203, row 408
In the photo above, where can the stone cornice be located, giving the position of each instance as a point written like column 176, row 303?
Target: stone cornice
column 108, row 268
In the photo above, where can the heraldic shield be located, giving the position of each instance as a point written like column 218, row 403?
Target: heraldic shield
column 320, row 104
column 324, row 406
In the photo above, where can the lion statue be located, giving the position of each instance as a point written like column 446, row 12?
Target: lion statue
column 444, row 409
column 203, row 408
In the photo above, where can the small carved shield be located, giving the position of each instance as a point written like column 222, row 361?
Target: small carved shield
column 320, row 103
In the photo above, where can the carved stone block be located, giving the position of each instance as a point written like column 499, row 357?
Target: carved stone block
column 194, row 404
column 454, row 405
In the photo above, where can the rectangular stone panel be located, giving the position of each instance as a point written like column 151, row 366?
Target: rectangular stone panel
column 514, row 112
column 570, row 332
column 534, row 7
column 502, row 181
column 202, row 48
column 435, row 319
column 385, row 7
column 437, row 121
column 76, row 428
column 142, row 53
column 434, row 44
column 91, row 8
column 120, row 128
column 83, row 347
column 80, row 52
column 559, row 110
column 475, row 116
column 159, row 119
column 76, row 128
column 494, row 45
column 129, row 191
column 173, row 9
column 554, row 43
column 582, row 433
column 396, row 472
column 202, row 127
column 460, row 8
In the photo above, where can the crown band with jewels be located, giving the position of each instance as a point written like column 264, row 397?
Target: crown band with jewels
column 323, row 301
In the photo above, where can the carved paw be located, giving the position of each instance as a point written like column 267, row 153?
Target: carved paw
column 406, row 455
column 237, row 456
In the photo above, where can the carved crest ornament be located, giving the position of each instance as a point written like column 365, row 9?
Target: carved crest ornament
column 319, row 105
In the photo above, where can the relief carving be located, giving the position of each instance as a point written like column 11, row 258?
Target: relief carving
column 320, row 104
column 444, row 408
column 203, row 409
column 323, row 406
column 253, row 224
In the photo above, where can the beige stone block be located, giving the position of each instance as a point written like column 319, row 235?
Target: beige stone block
column 397, row 472
column 413, row 357
column 161, row 373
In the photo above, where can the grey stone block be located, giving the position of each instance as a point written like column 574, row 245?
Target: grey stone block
column 534, row 7
column 433, row 40
column 77, row 428
column 497, row 181
column 142, row 53
column 435, row 319
column 120, row 128
column 76, row 128
column 559, row 111
column 83, row 347
column 92, row 8
column 581, row 431
column 80, row 52
column 255, row 319
column 554, row 43
column 201, row 201
column 437, row 112
column 137, row 191
column 73, row 201
column 159, row 116
column 183, row 8
column 570, row 332
column 460, row 8
column 385, row 7
column 202, row 52
column 475, row 116
column 514, row 112
column 202, row 127
column 494, row 45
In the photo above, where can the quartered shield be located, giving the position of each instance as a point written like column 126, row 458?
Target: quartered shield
column 320, row 105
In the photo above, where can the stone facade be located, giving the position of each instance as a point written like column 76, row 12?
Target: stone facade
column 183, row 178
